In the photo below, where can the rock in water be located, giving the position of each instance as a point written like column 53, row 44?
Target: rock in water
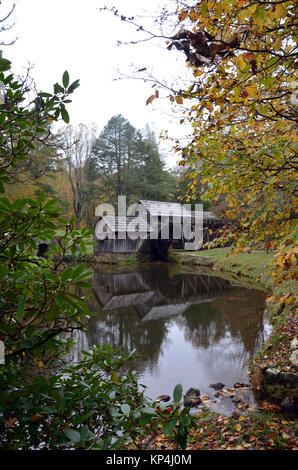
column 217, row 386
column 163, row 398
column 240, row 385
column 241, row 396
column 192, row 391
column 237, row 399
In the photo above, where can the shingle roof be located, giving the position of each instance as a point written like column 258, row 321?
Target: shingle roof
column 123, row 224
column 163, row 208
column 122, row 301
column 171, row 310
column 154, row 208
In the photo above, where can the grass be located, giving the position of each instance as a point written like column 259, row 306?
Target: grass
column 255, row 265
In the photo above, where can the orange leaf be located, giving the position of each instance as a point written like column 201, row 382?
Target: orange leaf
column 193, row 15
column 10, row 422
column 182, row 15
column 150, row 99
column 169, row 409
column 36, row 417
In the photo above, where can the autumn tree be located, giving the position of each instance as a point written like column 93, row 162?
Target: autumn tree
column 243, row 112
column 242, row 105
column 183, row 182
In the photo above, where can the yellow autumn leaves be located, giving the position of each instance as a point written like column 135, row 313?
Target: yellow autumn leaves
column 192, row 14
column 252, row 90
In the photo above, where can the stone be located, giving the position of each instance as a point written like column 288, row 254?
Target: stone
column 217, row 386
column 192, row 401
column 240, row 385
column 289, row 403
column 192, row 392
column 294, row 343
column 242, row 396
column 237, row 399
column 272, row 376
column 294, row 357
column 289, row 379
column 164, row 398
column 192, row 397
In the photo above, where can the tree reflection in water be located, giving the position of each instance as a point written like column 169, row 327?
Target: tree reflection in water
column 191, row 328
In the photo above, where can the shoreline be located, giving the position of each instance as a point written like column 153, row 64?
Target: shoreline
column 272, row 370
column 269, row 428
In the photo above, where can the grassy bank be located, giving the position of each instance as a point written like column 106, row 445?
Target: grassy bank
column 254, row 265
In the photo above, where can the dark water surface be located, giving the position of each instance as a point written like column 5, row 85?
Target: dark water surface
column 194, row 329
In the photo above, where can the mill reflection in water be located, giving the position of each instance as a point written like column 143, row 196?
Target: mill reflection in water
column 193, row 329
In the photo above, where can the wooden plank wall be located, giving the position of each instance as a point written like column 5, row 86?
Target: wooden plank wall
column 118, row 246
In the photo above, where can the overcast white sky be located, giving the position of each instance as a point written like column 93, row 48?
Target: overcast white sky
column 73, row 35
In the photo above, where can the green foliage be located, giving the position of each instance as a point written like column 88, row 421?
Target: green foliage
column 176, row 421
column 184, row 180
column 80, row 406
column 36, row 301
column 24, row 121
column 152, row 181
column 243, row 111
column 90, row 405
column 126, row 162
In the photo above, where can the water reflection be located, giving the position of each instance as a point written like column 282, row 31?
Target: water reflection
column 193, row 329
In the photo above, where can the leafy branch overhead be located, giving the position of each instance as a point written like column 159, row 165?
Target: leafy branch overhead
column 242, row 106
column 36, row 303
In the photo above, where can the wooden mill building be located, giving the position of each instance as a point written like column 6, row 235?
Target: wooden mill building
column 137, row 234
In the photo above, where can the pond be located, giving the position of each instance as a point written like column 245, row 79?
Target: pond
column 192, row 328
